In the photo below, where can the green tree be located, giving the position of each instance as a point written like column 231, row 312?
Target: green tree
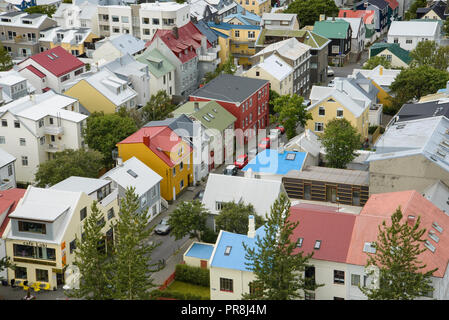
column 67, row 163
column 159, row 107
column 227, row 67
column 340, row 140
column 400, row 273
column 233, row 217
column 373, row 62
column 49, row 10
column 5, row 263
column 279, row 270
column 189, row 218
column 104, row 131
column 93, row 262
column 411, row 13
column 5, row 59
column 413, row 83
column 291, row 112
column 273, row 96
column 308, row 11
column 445, row 27
column 428, row 53
column 132, row 252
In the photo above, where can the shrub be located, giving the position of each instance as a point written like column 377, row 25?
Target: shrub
column 193, row 275
column 175, row 295
column 209, row 236
column 372, row 129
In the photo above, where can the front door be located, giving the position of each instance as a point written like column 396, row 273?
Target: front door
column 331, row 194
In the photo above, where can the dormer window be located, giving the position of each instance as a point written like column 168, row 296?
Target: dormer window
column 25, row 226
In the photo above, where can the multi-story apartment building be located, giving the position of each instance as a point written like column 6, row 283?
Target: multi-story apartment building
column 20, row 32
column 115, row 20
column 13, row 86
column 41, row 236
column 50, row 69
column 34, row 127
column 77, row 15
column 258, row 7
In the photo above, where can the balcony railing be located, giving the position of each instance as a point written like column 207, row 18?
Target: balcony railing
column 53, row 130
column 54, row 147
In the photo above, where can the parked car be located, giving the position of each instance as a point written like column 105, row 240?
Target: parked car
column 281, row 129
column 199, row 195
column 330, row 72
column 230, row 170
column 241, row 161
column 264, row 144
column 306, row 102
column 163, row 227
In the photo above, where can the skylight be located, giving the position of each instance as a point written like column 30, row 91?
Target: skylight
column 367, row 247
column 54, row 55
column 50, row 57
column 437, row 227
column 215, row 110
column 211, row 115
column 206, row 118
column 299, row 243
column 429, row 246
column 290, row 156
column 228, row 250
column 132, row 173
column 433, row 236
column 317, row 244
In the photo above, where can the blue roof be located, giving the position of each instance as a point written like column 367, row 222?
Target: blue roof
column 200, row 251
column 228, row 26
column 236, row 258
column 220, row 34
column 248, row 18
column 270, row 161
column 207, row 31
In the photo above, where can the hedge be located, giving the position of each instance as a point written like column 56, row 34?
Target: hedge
column 193, row 275
column 175, row 295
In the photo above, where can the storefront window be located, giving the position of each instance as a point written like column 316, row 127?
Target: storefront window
column 20, row 273
column 41, row 275
column 34, row 252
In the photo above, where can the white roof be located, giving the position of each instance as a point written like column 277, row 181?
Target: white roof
column 275, row 66
column 126, row 66
column 289, row 48
column 197, row 8
column 69, row 35
column 428, row 137
column 5, row 158
column 145, row 180
column 46, row 211
column 80, row 184
column 413, row 28
column 307, row 141
column 17, row 19
column 162, row 6
column 261, row 193
column 278, row 16
column 37, row 106
column 385, row 79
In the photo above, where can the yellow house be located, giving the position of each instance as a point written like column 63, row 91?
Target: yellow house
column 258, row 7
column 238, row 40
column 102, row 91
column 161, row 149
column 337, row 104
column 40, row 238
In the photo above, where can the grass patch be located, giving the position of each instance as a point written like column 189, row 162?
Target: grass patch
column 184, row 287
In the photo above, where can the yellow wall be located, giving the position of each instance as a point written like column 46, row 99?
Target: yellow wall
column 257, row 8
column 224, row 52
column 79, row 47
column 395, row 61
column 382, row 95
column 90, row 98
column 361, row 123
column 144, row 154
column 431, row 15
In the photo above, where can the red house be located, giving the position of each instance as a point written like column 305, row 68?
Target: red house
column 246, row 98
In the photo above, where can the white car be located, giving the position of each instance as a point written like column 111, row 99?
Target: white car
column 330, row 72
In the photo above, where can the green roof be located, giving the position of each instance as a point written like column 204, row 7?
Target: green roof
column 210, row 113
column 331, row 29
column 394, row 48
column 157, row 63
column 310, row 38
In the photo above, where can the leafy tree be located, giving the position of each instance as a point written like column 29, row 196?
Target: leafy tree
column 278, row 269
column 92, row 261
column 309, row 11
column 400, row 272
column 373, row 62
column 233, row 217
column 5, row 59
column 49, row 10
column 132, row 253
column 411, row 13
column 445, row 27
column 5, row 263
column 189, row 218
column 228, row 67
column 273, row 96
column 341, row 140
column 158, row 108
column 104, row 131
column 291, row 112
column 413, row 83
column 67, row 163
column 428, row 53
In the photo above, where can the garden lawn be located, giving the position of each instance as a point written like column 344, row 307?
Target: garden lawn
column 184, row 287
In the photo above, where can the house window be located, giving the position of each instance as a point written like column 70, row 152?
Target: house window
column 319, row 127
column 307, row 192
column 336, row 49
column 145, row 20
column 226, row 285
column 339, row 113
column 181, row 184
column 251, row 34
column 83, row 213
column 147, row 33
column 2, row 140
column 321, row 111
column 110, row 213
column 237, row 33
column 257, row 73
column 42, row 275
column 339, row 277
column 408, row 41
column 174, row 171
column 115, row 19
column 125, row 19
column 16, row 124
column 299, row 242
column 103, row 192
column 10, row 170
column 65, row 77
column 153, row 192
column 156, row 21
column 72, row 246
column 41, row 123
column 4, row 123
column 218, row 205
column 181, row 166
column 22, row 141
column 24, row 161
column 355, row 198
column 20, row 272
column 25, row 226
column 355, row 280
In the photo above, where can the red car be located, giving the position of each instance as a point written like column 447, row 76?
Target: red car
column 281, row 129
column 241, row 161
column 264, row 144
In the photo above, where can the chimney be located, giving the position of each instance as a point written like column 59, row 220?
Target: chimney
column 175, row 32
column 119, row 162
column 196, row 106
column 333, row 18
column 381, row 70
column 322, row 17
column 251, row 227
column 344, row 14
column 146, row 140
column 411, row 220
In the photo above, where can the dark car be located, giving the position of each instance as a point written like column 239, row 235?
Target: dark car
column 199, row 195
column 163, row 227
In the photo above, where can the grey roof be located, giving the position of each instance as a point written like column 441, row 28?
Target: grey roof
column 181, row 125
column 125, row 66
column 413, row 111
column 80, row 184
column 125, row 43
column 12, row 14
column 230, row 88
column 333, row 175
column 5, row 158
column 207, row 31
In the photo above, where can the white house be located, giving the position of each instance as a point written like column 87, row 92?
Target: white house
column 80, row 15
column 7, row 170
column 279, row 21
column 408, row 33
column 14, row 86
column 117, row 46
column 34, row 127
column 134, row 173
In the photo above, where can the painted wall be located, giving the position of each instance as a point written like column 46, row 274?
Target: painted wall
column 241, row 280
column 90, row 98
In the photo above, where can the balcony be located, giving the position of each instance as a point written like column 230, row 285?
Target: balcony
column 250, row 43
column 54, row 147
column 53, row 130
column 209, row 57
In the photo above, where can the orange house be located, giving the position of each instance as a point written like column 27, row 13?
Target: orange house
column 161, row 149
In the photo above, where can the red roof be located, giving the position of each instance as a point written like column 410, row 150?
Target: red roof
column 34, row 70
column 9, row 199
column 367, row 15
column 160, row 140
column 324, row 223
column 380, row 207
column 393, row 4
column 189, row 38
column 57, row 61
